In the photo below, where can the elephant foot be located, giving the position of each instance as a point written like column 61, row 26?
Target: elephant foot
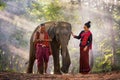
column 58, row 73
column 29, row 70
column 64, row 71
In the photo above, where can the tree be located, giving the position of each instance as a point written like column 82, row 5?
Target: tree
column 2, row 5
column 46, row 11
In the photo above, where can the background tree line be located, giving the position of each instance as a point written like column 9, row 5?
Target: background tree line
column 104, row 15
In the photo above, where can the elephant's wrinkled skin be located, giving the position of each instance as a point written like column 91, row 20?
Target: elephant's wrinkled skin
column 60, row 33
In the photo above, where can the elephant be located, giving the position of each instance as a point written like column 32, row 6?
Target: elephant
column 60, row 33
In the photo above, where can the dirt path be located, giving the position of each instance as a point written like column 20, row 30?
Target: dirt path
column 23, row 76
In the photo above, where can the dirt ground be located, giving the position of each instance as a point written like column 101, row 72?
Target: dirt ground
column 23, row 76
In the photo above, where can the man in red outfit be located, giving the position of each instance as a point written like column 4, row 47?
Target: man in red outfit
column 43, row 49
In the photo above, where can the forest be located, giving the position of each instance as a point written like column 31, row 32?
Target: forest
column 19, row 18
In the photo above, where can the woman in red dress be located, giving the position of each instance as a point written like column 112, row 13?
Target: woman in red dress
column 85, row 37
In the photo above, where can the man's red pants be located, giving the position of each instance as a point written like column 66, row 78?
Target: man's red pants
column 42, row 56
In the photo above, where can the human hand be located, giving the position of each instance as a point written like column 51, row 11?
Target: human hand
column 39, row 40
column 48, row 40
column 85, row 48
column 72, row 34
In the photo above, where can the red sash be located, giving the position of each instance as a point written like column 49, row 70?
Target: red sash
column 85, row 36
column 46, row 43
column 45, row 37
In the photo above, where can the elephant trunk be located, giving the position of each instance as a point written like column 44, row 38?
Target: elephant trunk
column 65, row 58
column 63, row 50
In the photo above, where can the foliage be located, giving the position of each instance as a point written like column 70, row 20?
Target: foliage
column 103, row 63
column 105, row 17
column 18, row 35
column 2, row 5
column 11, row 63
column 46, row 11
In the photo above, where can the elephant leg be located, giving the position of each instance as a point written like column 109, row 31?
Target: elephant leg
column 66, row 62
column 55, row 50
column 31, row 60
column 30, row 64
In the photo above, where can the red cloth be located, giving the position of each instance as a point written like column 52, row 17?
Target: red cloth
column 84, row 61
column 46, row 36
column 42, row 54
column 85, row 37
column 46, row 43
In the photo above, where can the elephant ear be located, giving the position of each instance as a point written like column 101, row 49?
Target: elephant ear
column 51, row 31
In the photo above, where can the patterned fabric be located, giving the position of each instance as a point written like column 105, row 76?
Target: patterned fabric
column 46, row 36
column 43, row 49
column 42, row 54
column 84, row 37
column 84, row 60
column 86, row 40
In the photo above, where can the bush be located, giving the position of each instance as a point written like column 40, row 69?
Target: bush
column 103, row 63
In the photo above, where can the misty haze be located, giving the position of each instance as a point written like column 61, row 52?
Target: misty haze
column 19, row 18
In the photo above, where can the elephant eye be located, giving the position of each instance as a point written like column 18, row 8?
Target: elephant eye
column 57, row 35
column 65, row 34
